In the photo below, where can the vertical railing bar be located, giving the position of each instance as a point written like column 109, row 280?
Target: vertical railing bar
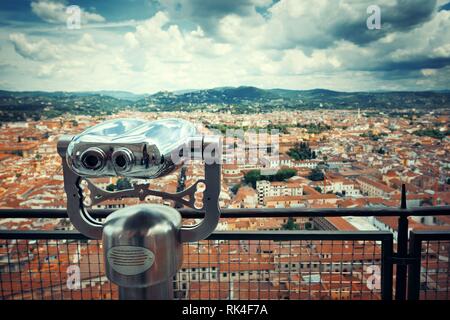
column 30, row 274
column 310, row 270
column 288, row 282
column 251, row 267
column 209, row 267
column 68, row 259
column 49, row 270
column 1, row 277
column 238, row 243
column 386, row 268
column 351, row 268
column 341, row 269
column 374, row 253
column 363, row 256
column 59, row 272
column 11, row 292
column 97, row 245
column 20, row 269
column 39, row 271
column 80, row 265
column 402, row 249
column 438, row 268
column 427, row 256
column 331, row 268
column 259, row 273
column 448, row 271
column 89, row 268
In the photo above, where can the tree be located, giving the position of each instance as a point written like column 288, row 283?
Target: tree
column 284, row 174
column 290, row 225
column 281, row 175
column 316, row 175
column 433, row 133
column 301, row 151
column 318, row 189
column 252, row 176
column 123, row 184
column 110, row 187
column 235, row 188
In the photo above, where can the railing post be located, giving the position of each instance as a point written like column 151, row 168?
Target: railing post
column 402, row 250
column 386, row 269
column 415, row 248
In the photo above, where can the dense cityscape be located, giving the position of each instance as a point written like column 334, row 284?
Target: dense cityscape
column 342, row 159
column 225, row 150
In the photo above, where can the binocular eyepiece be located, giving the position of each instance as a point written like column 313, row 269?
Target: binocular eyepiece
column 122, row 160
column 93, row 159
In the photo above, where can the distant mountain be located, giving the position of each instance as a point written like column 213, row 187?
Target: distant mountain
column 16, row 106
column 124, row 95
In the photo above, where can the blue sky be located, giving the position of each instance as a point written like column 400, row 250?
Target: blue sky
column 152, row 45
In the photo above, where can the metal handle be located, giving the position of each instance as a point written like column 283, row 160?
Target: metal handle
column 212, row 155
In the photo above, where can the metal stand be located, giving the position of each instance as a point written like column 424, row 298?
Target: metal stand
column 143, row 244
column 162, row 291
column 143, row 250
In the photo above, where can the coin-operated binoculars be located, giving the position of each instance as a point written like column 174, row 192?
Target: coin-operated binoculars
column 143, row 243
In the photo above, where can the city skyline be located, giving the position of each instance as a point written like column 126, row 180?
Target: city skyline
column 150, row 46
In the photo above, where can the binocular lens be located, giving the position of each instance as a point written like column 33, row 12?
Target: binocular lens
column 122, row 160
column 93, row 159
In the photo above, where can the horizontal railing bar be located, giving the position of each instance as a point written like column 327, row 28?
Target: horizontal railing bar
column 249, row 213
column 300, row 235
column 430, row 235
column 217, row 235
column 42, row 235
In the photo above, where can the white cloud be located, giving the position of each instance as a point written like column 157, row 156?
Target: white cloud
column 294, row 46
column 55, row 12
column 428, row 72
column 40, row 50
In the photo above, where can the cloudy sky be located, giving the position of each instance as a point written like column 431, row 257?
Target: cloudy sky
column 152, row 45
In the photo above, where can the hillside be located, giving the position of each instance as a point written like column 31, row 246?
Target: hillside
column 18, row 106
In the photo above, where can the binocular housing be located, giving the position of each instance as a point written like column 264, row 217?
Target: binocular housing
column 134, row 148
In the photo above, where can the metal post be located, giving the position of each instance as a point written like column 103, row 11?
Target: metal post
column 143, row 251
column 386, row 269
column 415, row 247
column 402, row 250
column 161, row 291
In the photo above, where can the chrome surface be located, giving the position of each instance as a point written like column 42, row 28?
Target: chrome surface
column 143, row 250
column 144, row 148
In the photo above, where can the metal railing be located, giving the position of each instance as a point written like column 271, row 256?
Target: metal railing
column 227, row 265
column 429, row 272
column 242, row 265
